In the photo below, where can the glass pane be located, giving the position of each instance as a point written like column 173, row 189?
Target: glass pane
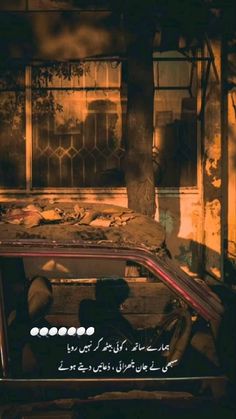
column 94, row 74
column 63, row 75
column 175, row 139
column 12, row 139
column 12, row 78
column 12, row 126
column 77, row 138
column 175, row 122
column 170, row 72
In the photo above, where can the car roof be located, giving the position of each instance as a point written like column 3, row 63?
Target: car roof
column 78, row 223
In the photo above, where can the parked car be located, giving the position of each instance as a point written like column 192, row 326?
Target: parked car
column 92, row 301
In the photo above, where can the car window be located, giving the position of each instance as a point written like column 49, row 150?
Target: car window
column 79, row 318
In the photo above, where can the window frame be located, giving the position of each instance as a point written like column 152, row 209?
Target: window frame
column 194, row 294
column 91, row 191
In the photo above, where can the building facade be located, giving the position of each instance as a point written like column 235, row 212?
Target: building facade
column 63, row 105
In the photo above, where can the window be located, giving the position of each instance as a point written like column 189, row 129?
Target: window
column 112, row 312
column 175, row 120
column 61, row 124
column 76, row 125
column 12, row 127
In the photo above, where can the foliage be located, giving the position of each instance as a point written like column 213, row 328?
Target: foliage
column 12, row 91
column 44, row 75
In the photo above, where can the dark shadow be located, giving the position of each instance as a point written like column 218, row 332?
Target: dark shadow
column 104, row 313
column 26, row 305
column 176, row 167
column 12, row 147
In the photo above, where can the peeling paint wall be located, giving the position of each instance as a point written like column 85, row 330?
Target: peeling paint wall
column 232, row 186
column 181, row 216
column 212, row 170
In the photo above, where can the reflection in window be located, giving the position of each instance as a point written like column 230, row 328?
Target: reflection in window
column 12, row 128
column 175, row 121
column 77, row 125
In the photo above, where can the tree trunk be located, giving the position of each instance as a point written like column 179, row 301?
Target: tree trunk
column 139, row 120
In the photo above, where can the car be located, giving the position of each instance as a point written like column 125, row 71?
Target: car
column 92, row 304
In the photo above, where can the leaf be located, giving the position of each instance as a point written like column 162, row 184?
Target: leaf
column 79, row 211
column 32, row 220
column 115, row 211
column 51, row 215
column 32, row 207
column 89, row 216
column 13, row 220
column 20, row 216
column 101, row 222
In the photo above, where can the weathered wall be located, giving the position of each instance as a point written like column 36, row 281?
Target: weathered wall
column 231, row 230
column 212, row 168
column 181, row 216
